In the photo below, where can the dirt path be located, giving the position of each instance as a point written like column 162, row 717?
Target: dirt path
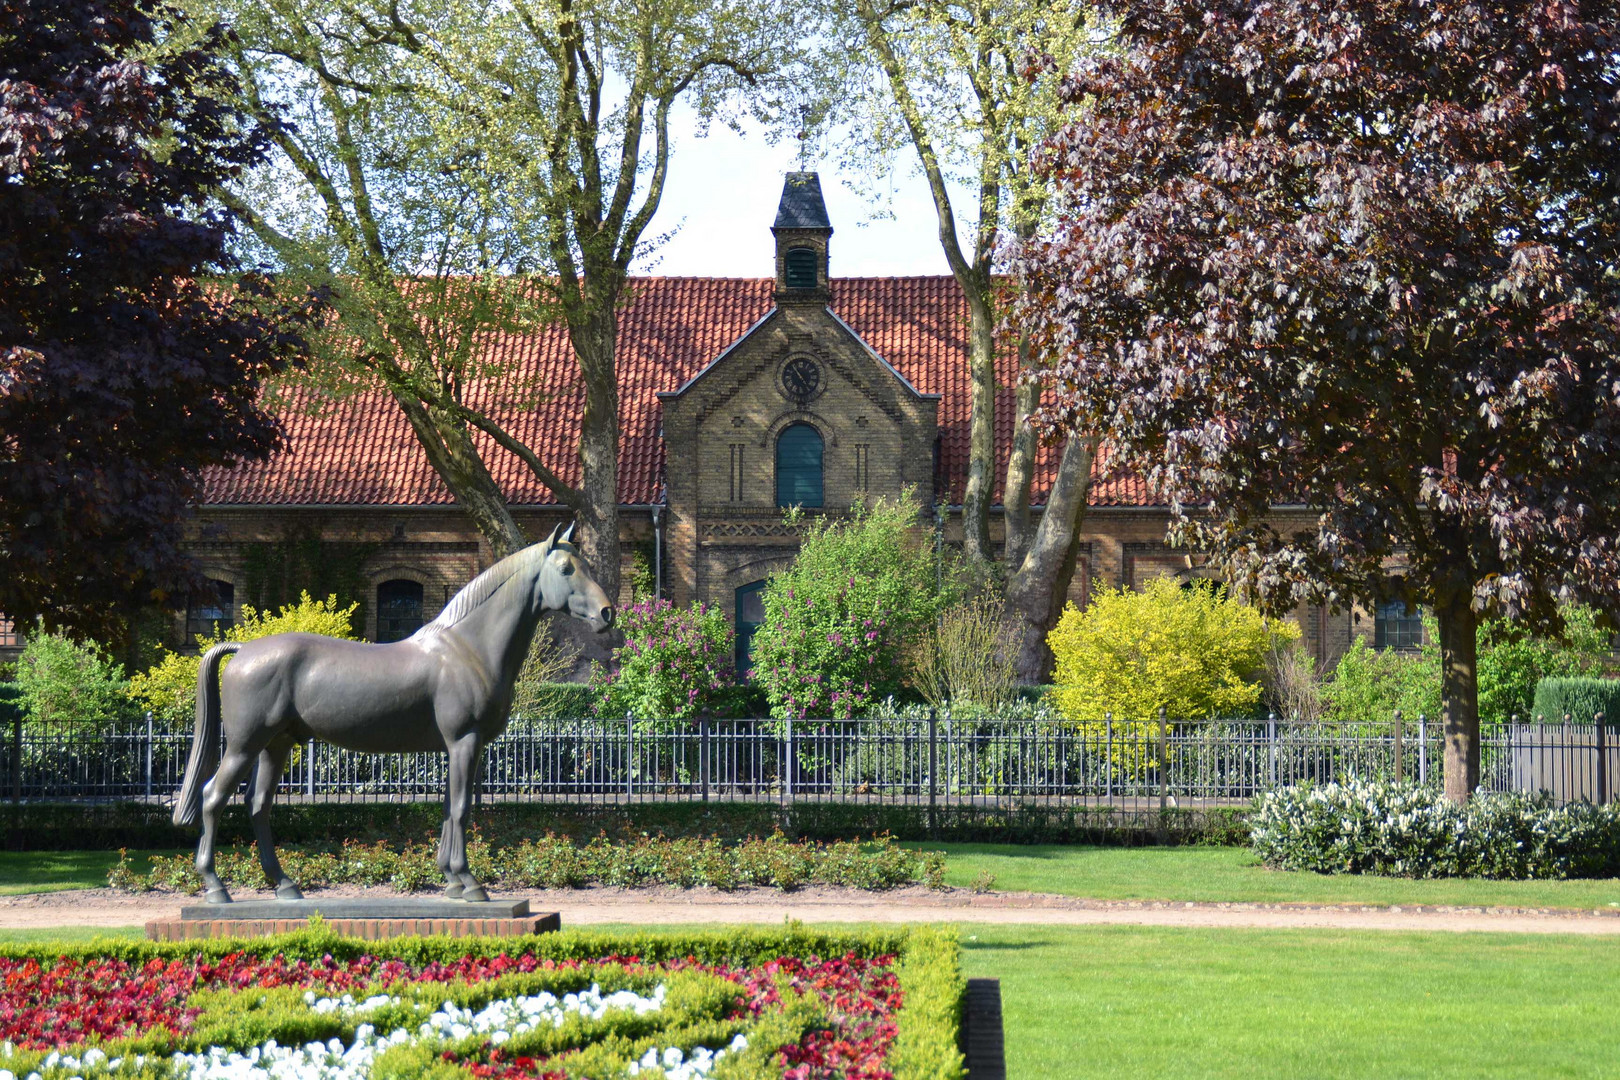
column 104, row 907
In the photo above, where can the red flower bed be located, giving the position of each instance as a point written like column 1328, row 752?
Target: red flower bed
column 59, row 1006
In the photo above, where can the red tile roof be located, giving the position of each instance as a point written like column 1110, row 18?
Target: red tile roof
column 360, row 450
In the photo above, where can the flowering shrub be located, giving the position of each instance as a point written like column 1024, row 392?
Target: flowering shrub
column 838, row 619
column 746, row 1004
column 557, row 863
column 674, row 664
column 1405, row 830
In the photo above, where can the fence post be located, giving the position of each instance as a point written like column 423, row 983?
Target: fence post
column 1108, row 757
column 1601, row 723
column 629, row 756
column 16, row 754
column 149, row 755
column 1271, row 750
column 1423, row 749
column 933, row 773
column 309, row 769
column 1164, row 759
column 703, row 756
column 787, row 765
column 1400, row 731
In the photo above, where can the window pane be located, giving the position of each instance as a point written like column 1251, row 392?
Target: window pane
column 798, row 466
column 399, row 609
column 750, row 614
column 1394, row 627
column 212, row 615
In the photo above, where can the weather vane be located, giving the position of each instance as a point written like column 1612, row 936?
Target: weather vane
column 804, row 138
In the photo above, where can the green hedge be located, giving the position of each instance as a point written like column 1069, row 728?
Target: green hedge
column 557, row 863
column 108, row 826
column 1405, row 830
column 1578, row 699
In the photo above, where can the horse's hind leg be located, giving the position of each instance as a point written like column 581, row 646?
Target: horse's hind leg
column 271, row 760
column 452, row 883
column 232, row 768
column 463, row 776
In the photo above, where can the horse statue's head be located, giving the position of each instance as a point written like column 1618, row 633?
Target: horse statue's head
column 564, row 584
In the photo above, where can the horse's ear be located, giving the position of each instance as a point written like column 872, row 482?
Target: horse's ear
column 551, row 541
column 568, row 537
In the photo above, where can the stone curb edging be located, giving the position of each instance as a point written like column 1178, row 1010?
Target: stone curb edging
column 367, row 929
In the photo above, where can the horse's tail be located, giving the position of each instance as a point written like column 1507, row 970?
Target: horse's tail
column 205, row 739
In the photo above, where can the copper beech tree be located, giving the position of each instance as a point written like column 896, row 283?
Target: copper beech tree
column 1358, row 255
column 123, row 370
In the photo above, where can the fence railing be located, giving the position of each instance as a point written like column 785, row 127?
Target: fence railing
column 932, row 760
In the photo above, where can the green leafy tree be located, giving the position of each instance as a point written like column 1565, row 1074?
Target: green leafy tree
column 65, row 681
column 452, row 167
column 1195, row 652
column 1359, row 255
column 1369, row 684
column 838, row 620
column 169, row 688
column 971, row 88
column 675, row 663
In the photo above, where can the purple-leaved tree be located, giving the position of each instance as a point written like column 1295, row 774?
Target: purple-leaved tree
column 123, row 370
column 1359, row 255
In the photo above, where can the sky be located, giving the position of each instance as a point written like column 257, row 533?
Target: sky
column 721, row 195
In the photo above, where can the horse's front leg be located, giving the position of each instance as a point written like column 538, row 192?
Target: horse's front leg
column 463, row 777
column 452, row 884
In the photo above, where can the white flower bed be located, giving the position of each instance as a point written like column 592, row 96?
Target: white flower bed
column 499, row 1020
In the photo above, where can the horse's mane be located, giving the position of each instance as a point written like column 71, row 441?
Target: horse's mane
column 487, row 584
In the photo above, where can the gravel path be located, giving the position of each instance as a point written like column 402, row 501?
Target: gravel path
column 104, row 907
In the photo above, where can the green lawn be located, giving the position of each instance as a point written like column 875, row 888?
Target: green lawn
column 1234, row 874
column 1122, row 1002
column 52, row 871
column 1116, row 1003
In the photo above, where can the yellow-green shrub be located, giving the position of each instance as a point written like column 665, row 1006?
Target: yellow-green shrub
column 169, row 687
column 1197, row 652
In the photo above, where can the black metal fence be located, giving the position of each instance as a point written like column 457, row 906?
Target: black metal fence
column 929, row 760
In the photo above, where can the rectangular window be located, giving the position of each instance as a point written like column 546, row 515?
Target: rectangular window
column 9, row 638
column 736, row 472
column 1394, row 627
column 862, row 474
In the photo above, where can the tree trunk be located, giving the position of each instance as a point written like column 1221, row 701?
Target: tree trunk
column 1036, row 590
column 982, row 431
column 1020, row 465
column 450, row 450
column 595, row 339
column 1459, row 694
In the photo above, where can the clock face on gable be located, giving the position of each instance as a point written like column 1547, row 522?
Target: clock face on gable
column 801, row 379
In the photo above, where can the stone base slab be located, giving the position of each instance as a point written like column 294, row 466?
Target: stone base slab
column 370, row 929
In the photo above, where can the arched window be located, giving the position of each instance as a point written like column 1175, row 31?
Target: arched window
column 213, row 612
column 799, row 268
column 750, row 616
column 399, row 609
column 798, row 466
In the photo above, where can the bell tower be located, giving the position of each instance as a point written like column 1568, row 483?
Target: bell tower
column 802, row 231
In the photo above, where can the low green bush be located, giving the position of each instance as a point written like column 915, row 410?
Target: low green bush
column 1578, row 699
column 1406, row 830
column 554, row 862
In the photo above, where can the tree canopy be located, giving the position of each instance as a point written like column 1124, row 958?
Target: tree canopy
column 126, row 363
column 1357, row 255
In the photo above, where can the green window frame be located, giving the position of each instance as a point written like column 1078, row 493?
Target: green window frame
column 799, row 268
column 800, row 453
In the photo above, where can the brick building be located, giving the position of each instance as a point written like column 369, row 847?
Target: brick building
column 738, row 397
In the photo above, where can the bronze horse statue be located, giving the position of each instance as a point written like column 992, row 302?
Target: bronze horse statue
column 446, row 687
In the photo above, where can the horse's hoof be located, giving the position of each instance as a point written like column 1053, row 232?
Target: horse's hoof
column 288, row 891
column 453, row 892
column 217, row 896
column 476, row 894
